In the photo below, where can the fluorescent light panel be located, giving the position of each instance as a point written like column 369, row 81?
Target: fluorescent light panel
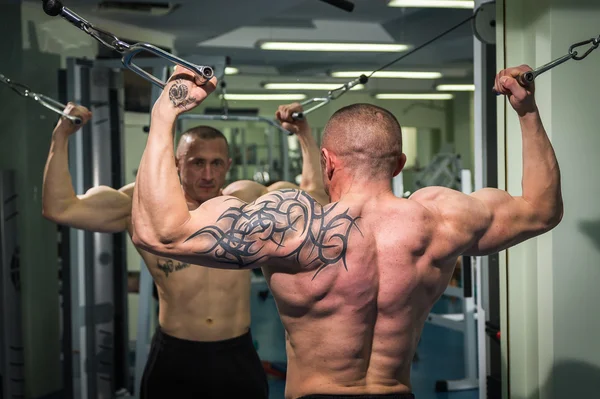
column 410, row 96
column 455, row 88
column 308, row 86
column 264, row 97
column 433, row 3
column 350, row 47
column 231, row 71
column 388, row 74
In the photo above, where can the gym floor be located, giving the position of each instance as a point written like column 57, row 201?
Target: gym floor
column 441, row 357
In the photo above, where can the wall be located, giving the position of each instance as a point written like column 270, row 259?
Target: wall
column 551, row 284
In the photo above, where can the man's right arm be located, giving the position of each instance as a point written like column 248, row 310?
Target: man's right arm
column 491, row 220
column 101, row 209
column 312, row 179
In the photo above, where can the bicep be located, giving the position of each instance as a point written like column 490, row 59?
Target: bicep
column 511, row 220
column 228, row 233
column 101, row 209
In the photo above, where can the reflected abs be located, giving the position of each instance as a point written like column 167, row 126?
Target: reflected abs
column 168, row 266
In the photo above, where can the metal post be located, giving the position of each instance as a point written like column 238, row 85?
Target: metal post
column 12, row 366
column 485, row 173
column 269, row 133
column 103, row 268
column 285, row 158
column 244, row 154
column 142, row 345
column 78, row 92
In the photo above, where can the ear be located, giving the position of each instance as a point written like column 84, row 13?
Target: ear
column 327, row 163
column 229, row 162
column 400, row 165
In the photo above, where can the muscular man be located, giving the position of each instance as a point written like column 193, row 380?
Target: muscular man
column 203, row 347
column 354, row 280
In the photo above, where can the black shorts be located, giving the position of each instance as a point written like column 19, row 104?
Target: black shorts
column 370, row 396
column 182, row 369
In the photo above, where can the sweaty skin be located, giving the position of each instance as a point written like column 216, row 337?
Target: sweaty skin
column 353, row 280
column 196, row 303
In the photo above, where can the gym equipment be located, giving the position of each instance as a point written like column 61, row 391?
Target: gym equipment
column 46, row 101
column 225, row 116
column 12, row 356
column 363, row 79
column 527, row 78
column 443, row 170
column 484, row 23
column 331, row 95
column 129, row 51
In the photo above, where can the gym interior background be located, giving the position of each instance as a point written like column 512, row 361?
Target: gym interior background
column 538, row 336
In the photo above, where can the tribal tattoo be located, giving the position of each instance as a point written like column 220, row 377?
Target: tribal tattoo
column 178, row 94
column 169, row 266
column 317, row 236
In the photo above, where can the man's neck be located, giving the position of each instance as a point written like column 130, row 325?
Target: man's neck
column 360, row 189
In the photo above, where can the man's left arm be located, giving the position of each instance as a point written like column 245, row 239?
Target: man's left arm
column 224, row 232
column 159, row 206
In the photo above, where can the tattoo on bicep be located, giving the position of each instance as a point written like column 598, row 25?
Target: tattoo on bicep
column 169, row 266
column 242, row 232
column 178, row 94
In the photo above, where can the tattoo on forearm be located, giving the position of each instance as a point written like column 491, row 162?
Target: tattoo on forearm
column 320, row 234
column 178, row 94
column 169, row 266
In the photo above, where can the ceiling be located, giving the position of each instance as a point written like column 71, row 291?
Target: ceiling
column 232, row 28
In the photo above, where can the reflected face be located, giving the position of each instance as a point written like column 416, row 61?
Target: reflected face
column 202, row 167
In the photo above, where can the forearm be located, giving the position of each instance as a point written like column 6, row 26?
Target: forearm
column 541, row 173
column 57, row 188
column 311, row 168
column 159, row 206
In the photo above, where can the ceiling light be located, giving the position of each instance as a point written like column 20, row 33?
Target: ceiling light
column 420, row 96
column 231, row 71
column 388, row 74
column 308, row 86
column 308, row 46
column 455, row 88
column 433, row 3
column 264, row 97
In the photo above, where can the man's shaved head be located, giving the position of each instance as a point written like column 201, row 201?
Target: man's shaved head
column 367, row 138
column 198, row 133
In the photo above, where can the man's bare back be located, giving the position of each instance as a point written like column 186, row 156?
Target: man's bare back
column 354, row 280
column 360, row 324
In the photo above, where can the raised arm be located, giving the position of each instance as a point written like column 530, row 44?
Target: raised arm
column 492, row 220
column 101, row 209
column 312, row 179
column 224, row 232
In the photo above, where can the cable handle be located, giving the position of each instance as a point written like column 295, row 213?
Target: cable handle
column 332, row 95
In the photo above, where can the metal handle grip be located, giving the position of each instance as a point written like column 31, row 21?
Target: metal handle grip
column 333, row 95
column 205, row 73
column 297, row 116
column 57, row 107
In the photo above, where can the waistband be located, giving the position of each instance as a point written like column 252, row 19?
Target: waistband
column 244, row 340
